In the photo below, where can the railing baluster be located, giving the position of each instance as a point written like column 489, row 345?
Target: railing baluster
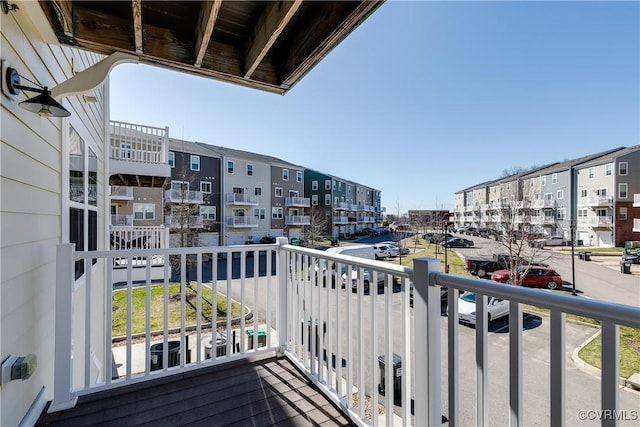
column 108, row 331
column 515, row 364
column 349, row 327
column 87, row 322
column 389, row 377
column 557, row 369
column 183, row 314
column 361, row 353
column 453, row 359
column 147, row 328
column 482, row 377
column 610, row 388
column 375, row 371
column 199, row 311
column 407, row 367
column 129, row 309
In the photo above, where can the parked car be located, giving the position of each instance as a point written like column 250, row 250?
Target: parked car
column 371, row 232
column 631, row 255
column 549, row 241
column 481, row 267
column 402, row 250
column 385, row 251
column 496, row 308
column 458, row 242
column 535, row 277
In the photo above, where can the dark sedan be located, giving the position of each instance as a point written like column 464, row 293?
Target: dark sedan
column 458, row 242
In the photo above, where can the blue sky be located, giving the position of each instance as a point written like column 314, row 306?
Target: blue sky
column 425, row 98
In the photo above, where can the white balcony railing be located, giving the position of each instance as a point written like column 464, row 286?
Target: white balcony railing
column 543, row 203
column 636, row 225
column 121, row 192
column 151, row 237
column 341, row 220
column 138, row 143
column 341, row 206
column 241, row 199
column 335, row 335
column 303, row 202
column 595, row 201
column 122, row 220
column 636, row 200
column 180, row 221
column 241, row 221
column 183, row 196
column 297, row 220
column 596, row 221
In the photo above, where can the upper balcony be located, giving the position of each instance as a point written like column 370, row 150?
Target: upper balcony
column 636, row 200
column 121, row 193
column 595, row 201
column 241, row 221
column 297, row 202
column 235, row 199
column 122, row 220
column 341, row 220
column 596, row 221
column 138, row 155
column 179, row 196
column 179, row 221
column 341, row 206
column 636, row 225
column 301, row 331
column 297, row 220
column 543, row 203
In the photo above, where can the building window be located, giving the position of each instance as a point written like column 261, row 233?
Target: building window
column 554, row 178
column 543, row 180
column 205, row 187
column 607, row 169
column 278, row 192
column 560, row 194
column 327, row 184
column 622, row 190
column 299, row 176
column 259, row 213
column 601, row 192
column 591, row 172
column 195, row 163
column 582, row 213
column 314, row 185
column 548, row 196
column 583, row 192
column 561, row 214
column 144, row 211
column 230, row 166
column 623, row 168
column 285, row 174
column 327, row 199
column 276, row 213
column 172, row 159
column 250, row 169
column 623, row 214
column 314, row 199
column 208, row 212
column 257, row 191
column 125, row 150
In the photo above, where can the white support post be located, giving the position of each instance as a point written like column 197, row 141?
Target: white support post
column 426, row 311
column 63, row 398
column 283, row 275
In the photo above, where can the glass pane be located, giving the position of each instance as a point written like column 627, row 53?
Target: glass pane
column 76, row 167
column 93, row 178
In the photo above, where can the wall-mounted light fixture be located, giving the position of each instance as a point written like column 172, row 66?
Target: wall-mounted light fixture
column 8, row 7
column 43, row 104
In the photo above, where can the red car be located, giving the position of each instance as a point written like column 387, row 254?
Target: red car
column 536, row 277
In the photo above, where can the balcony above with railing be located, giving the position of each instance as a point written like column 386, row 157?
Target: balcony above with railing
column 595, row 201
column 241, row 222
column 297, row 202
column 543, row 203
column 636, row 200
column 122, row 220
column 596, row 221
column 543, row 220
column 297, row 220
column 341, row 220
column 636, row 225
column 179, row 196
column 138, row 155
column 181, row 221
column 235, row 199
column 121, row 193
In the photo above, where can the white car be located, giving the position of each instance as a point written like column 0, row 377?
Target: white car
column 402, row 250
column 385, row 251
column 496, row 308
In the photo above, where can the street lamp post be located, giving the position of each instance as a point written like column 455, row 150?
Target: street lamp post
column 573, row 260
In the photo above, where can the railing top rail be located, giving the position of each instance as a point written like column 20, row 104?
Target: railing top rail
column 601, row 310
column 119, row 253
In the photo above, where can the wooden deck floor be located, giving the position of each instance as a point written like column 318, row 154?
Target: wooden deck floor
column 243, row 393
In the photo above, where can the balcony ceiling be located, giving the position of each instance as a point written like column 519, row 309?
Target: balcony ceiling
column 267, row 45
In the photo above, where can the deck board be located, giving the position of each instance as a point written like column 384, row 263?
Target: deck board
column 262, row 392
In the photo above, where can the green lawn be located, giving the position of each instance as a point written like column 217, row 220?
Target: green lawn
column 629, row 351
column 138, row 317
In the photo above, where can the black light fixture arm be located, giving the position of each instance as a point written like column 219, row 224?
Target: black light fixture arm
column 43, row 104
column 14, row 86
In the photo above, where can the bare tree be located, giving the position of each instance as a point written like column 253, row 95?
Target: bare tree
column 318, row 222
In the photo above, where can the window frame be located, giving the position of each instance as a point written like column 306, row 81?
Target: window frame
column 278, row 192
column 249, row 169
column 171, row 159
column 231, row 166
column 623, row 168
column 285, row 174
column 193, row 163
column 623, row 194
column 206, row 184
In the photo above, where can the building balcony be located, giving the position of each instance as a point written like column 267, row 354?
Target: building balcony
column 341, row 220
column 596, row 221
column 234, row 199
column 178, row 221
column 241, row 221
column 636, row 200
column 183, row 196
column 151, row 237
column 543, row 204
column 121, row 193
column 297, row 202
column 301, row 332
column 122, row 220
column 595, row 201
column 341, row 206
column 543, row 220
column 138, row 155
column 636, row 225
column 299, row 220
column 353, row 207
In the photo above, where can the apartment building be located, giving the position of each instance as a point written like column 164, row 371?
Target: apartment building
column 288, row 202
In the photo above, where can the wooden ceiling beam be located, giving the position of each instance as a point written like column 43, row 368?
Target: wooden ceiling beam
column 272, row 22
column 64, row 13
column 208, row 17
column 136, row 10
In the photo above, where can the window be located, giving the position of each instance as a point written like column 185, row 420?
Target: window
column 238, row 190
column 336, row 200
column 230, row 167
column 299, row 176
column 276, row 213
column 314, row 199
column 583, row 192
column 623, row 168
column 179, row 186
column 125, row 150
column 561, row 214
column 285, row 174
column 560, row 194
column 83, row 197
column 607, row 169
column 591, row 172
column 172, row 159
column 259, row 213
column 582, row 213
column 548, row 196
column 623, row 190
column 144, row 211
column 250, row 169
column 314, row 185
column 601, row 192
column 601, row 212
column 554, row 178
column 205, row 187
column 195, row 163
column 327, row 199
column 208, row 212
column 623, row 214
column 257, row 191
column 543, row 180
column 278, row 192
column 327, row 184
